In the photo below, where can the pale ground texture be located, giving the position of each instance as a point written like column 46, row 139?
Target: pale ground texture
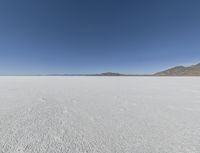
column 99, row 115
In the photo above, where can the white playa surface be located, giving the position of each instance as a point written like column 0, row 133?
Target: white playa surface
column 99, row 115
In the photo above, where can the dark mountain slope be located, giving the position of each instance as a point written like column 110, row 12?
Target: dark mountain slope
column 193, row 70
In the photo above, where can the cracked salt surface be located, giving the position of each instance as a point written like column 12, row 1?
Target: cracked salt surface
column 99, row 115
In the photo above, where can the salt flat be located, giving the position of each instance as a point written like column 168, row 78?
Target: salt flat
column 99, row 115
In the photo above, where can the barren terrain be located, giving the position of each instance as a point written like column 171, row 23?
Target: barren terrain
column 99, row 114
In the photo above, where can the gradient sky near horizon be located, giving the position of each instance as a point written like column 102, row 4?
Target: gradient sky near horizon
column 94, row 36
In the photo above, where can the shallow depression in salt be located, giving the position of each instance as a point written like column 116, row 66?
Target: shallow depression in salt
column 100, row 114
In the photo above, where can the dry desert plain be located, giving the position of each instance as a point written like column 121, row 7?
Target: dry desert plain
column 52, row 114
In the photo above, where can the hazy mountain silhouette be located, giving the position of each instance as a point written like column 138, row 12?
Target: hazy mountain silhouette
column 111, row 74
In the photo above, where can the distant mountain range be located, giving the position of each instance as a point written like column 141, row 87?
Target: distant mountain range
column 193, row 70
column 100, row 74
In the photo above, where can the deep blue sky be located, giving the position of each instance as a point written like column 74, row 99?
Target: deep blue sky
column 91, row 36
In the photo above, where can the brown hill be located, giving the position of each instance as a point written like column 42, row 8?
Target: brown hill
column 193, row 70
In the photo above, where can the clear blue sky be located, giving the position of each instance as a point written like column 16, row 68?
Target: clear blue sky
column 92, row 36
